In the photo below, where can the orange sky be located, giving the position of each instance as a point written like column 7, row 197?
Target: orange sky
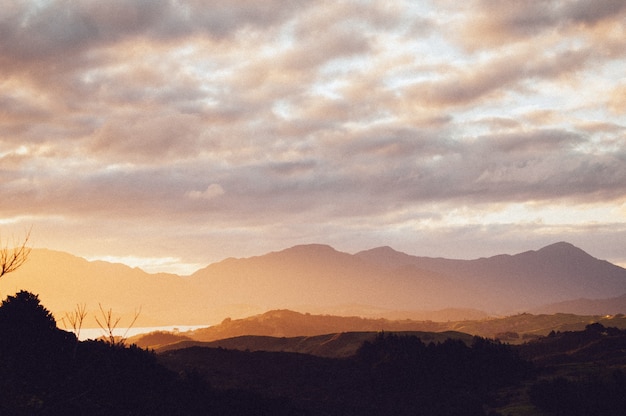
column 174, row 134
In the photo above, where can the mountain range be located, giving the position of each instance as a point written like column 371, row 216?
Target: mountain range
column 316, row 278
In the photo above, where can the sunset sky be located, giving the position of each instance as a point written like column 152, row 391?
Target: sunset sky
column 172, row 134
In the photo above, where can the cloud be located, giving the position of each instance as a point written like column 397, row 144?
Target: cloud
column 363, row 117
column 617, row 99
column 212, row 191
column 158, row 139
column 487, row 23
column 497, row 78
column 45, row 30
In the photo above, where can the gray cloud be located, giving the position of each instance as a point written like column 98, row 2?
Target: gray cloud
column 511, row 20
column 49, row 30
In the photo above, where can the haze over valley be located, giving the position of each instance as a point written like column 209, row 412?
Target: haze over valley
column 315, row 278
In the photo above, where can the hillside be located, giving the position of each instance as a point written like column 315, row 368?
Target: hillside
column 286, row 323
column 389, row 375
column 319, row 279
column 284, row 330
column 336, row 345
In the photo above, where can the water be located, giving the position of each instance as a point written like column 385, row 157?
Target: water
column 93, row 333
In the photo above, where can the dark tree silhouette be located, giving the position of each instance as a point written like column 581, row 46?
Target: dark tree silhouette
column 24, row 322
column 46, row 371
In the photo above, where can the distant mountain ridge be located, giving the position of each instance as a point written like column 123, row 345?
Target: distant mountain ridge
column 611, row 306
column 558, row 271
column 316, row 278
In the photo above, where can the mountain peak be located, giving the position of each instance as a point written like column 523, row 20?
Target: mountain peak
column 380, row 250
column 307, row 250
column 311, row 247
column 385, row 256
column 562, row 248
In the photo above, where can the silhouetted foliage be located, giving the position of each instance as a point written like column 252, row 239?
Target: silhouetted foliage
column 392, row 375
column 449, row 378
column 595, row 342
column 43, row 371
column 23, row 312
column 596, row 386
column 32, row 353
column 47, row 371
column 582, row 397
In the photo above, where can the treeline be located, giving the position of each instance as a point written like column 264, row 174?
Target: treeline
column 405, row 376
column 391, row 375
column 583, row 396
column 596, row 383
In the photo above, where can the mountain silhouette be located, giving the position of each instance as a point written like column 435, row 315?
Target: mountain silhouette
column 317, row 278
column 555, row 273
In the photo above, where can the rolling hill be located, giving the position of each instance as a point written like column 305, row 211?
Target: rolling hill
column 285, row 330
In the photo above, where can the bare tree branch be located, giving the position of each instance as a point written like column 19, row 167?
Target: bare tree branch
column 137, row 313
column 109, row 323
column 76, row 318
column 12, row 258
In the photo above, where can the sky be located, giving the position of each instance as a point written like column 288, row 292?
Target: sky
column 170, row 134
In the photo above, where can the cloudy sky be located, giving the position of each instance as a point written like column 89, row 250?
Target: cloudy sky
column 169, row 134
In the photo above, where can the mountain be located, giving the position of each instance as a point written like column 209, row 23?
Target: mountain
column 315, row 275
column 312, row 274
column 555, row 273
column 316, row 278
column 64, row 281
column 319, row 276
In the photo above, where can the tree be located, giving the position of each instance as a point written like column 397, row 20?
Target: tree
column 12, row 258
column 23, row 313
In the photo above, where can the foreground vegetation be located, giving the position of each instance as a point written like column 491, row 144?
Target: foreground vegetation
column 47, row 371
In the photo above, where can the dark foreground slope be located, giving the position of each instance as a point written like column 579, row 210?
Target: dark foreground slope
column 579, row 372
column 46, row 371
column 564, row 373
column 336, row 345
column 391, row 375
